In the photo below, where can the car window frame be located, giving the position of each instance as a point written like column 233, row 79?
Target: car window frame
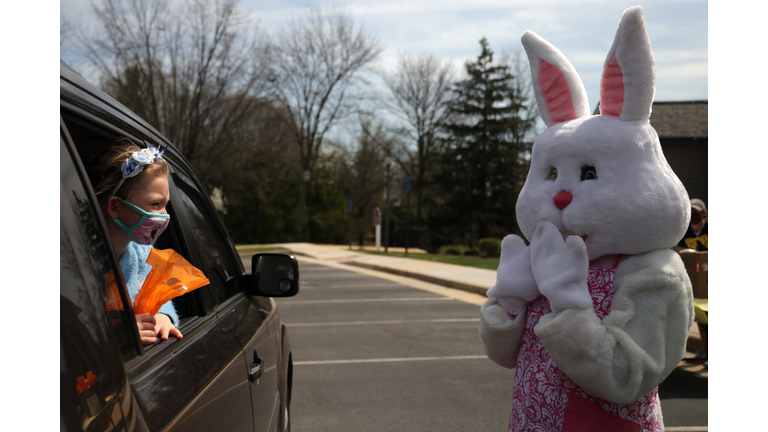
column 102, row 225
column 214, row 222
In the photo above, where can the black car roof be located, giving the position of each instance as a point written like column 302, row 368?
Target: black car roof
column 78, row 91
column 79, row 94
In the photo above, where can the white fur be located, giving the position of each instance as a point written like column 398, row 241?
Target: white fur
column 636, row 206
column 538, row 49
column 515, row 286
column 632, row 49
column 560, row 267
column 638, row 343
column 501, row 335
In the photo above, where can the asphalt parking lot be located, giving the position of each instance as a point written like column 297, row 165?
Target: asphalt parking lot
column 371, row 354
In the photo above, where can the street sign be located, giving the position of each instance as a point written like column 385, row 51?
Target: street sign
column 407, row 184
column 376, row 216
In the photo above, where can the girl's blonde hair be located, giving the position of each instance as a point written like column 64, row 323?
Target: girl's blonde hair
column 106, row 172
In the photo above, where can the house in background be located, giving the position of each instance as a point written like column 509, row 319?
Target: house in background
column 682, row 129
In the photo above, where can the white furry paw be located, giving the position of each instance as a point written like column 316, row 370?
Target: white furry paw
column 560, row 268
column 515, row 284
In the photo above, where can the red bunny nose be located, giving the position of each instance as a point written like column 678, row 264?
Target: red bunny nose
column 563, row 199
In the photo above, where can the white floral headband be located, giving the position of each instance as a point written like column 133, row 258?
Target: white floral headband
column 135, row 164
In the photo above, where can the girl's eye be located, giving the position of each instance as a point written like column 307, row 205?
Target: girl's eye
column 552, row 174
column 588, row 173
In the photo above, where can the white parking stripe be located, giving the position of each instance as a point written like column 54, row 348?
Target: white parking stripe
column 685, row 428
column 364, row 300
column 445, row 320
column 358, row 286
column 388, row 360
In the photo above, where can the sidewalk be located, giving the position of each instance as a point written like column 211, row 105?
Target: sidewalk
column 470, row 279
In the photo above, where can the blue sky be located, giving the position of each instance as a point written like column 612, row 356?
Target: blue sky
column 451, row 29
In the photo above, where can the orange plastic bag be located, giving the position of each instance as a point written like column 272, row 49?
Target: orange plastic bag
column 170, row 277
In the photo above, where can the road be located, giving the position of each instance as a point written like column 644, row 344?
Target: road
column 372, row 354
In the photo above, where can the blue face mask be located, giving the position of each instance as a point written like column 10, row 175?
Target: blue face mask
column 148, row 228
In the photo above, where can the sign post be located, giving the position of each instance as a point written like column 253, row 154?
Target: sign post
column 407, row 211
column 377, row 225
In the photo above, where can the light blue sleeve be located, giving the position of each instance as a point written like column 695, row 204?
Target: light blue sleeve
column 135, row 271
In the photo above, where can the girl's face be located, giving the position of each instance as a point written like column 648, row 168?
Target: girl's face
column 152, row 195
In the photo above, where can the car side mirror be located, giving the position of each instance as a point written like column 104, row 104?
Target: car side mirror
column 275, row 274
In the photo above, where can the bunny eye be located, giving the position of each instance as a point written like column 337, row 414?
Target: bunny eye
column 552, row 174
column 588, row 173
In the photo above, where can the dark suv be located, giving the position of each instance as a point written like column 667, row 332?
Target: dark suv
column 232, row 369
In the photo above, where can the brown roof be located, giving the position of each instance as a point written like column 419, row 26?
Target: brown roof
column 680, row 119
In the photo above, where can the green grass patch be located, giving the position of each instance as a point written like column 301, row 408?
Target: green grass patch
column 244, row 249
column 469, row 261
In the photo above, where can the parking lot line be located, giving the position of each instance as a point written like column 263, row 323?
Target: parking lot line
column 462, row 296
column 686, row 428
column 385, row 299
column 388, row 360
column 444, row 320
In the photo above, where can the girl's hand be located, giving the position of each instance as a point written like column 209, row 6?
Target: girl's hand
column 164, row 327
column 146, row 324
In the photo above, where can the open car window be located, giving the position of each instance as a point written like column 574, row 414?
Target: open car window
column 91, row 140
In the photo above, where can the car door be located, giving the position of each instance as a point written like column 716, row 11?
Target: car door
column 92, row 379
column 197, row 383
column 250, row 318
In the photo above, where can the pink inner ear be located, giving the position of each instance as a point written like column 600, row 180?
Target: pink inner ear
column 612, row 89
column 556, row 93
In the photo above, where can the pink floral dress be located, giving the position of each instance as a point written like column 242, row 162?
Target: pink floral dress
column 546, row 400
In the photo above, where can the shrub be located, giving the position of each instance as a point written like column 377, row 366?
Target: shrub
column 452, row 250
column 473, row 251
column 489, row 247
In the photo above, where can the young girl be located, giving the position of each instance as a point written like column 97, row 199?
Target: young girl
column 131, row 185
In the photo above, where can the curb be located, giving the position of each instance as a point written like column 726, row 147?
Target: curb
column 431, row 279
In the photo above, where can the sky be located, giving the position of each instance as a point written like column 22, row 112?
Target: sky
column 451, row 30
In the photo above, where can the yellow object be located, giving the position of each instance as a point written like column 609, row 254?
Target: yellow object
column 701, row 310
column 170, row 277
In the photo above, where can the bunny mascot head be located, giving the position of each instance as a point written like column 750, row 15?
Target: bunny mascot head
column 606, row 176
column 598, row 301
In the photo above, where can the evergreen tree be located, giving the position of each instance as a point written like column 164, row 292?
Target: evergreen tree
column 485, row 155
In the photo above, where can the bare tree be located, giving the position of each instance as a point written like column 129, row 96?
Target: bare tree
column 194, row 70
column 419, row 88
column 65, row 30
column 320, row 58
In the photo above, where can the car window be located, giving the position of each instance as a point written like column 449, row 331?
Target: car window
column 209, row 241
column 92, row 140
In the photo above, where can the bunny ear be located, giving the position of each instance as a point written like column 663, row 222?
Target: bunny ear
column 559, row 91
column 629, row 77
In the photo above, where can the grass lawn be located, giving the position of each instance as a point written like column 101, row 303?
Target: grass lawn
column 256, row 249
column 470, row 261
